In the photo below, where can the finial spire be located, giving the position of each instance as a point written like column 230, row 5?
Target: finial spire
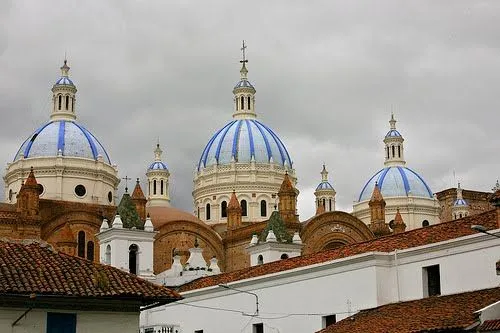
column 126, row 178
column 158, row 152
column 243, row 61
column 324, row 174
column 392, row 122
column 65, row 68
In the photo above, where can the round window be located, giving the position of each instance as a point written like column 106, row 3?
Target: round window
column 40, row 189
column 11, row 194
column 80, row 190
column 110, row 197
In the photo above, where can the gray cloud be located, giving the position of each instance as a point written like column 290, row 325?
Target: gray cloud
column 327, row 74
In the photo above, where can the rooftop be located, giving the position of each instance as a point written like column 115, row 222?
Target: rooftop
column 34, row 270
column 451, row 313
column 413, row 238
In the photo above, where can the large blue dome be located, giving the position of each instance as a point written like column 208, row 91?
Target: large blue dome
column 64, row 136
column 240, row 140
column 397, row 181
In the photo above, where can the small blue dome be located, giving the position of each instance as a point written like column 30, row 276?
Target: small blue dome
column 158, row 165
column 240, row 140
column 393, row 133
column 243, row 84
column 68, row 137
column 396, row 181
column 64, row 80
column 324, row 186
column 460, row 202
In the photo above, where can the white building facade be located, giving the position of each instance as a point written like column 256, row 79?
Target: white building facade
column 304, row 299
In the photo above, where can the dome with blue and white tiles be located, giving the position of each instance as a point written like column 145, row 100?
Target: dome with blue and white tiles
column 243, row 141
column 62, row 138
column 397, row 181
column 324, row 186
column 158, row 164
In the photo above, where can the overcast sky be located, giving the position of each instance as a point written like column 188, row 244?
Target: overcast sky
column 327, row 73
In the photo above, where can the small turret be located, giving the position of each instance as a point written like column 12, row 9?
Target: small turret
column 460, row 207
column 288, row 200
column 399, row 225
column 158, row 181
column 233, row 213
column 139, row 200
column 377, row 212
column 28, row 198
column 63, row 96
column 394, row 150
column 325, row 194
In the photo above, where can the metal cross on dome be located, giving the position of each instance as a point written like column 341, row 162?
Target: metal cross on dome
column 126, row 182
column 243, row 48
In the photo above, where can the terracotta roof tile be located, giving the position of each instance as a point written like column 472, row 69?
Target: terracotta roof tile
column 138, row 194
column 32, row 267
column 431, row 314
column 489, row 325
column 417, row 237
column 233, row 203
column 286, row 185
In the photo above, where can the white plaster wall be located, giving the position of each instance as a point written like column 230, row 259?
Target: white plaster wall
column 86, row 322
column 290, row 307
column 339, row 287
column 461, row 269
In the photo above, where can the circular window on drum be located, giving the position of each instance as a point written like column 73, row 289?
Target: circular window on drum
column 110, row 197
column 80, row 190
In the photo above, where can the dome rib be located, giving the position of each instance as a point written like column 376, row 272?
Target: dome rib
column 231, row 143
column 89, row 140
column 266, row 141
column 236, row 138
column 68, row 137
column 396, row 181
column 280, row 145
column 204, row 155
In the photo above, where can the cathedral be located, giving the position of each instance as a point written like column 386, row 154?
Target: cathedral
column 61, row 187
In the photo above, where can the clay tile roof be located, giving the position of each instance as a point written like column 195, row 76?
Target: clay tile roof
column 489, row 325
column 31, row 180
column 286, row 185
column 233, row 202
column 432, row 314
column 31, row 267
column 376, row 195
column 138, row 194
column 413, row 238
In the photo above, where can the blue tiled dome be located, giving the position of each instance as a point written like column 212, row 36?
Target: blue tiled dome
column 397, row 181
column 66, row 136
column 243, row 84
column 158, row 165
column 460, row 202
column 393, row 133
column 241, row 139
column 64, row 80
column 324, row 186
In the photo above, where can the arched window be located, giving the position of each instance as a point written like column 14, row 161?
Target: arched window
column 425, row 223
column 260, row 259
column 284, row 256
column 248, row 102
column 207, row 211
column 198, row 212
column 399, row 151
column 393, row 151
column 59, row 103
column 324, row 203
column 161, row 187
column 242, row 102
column 107, row 258
column 81, row 244
column 329, row 205
column 90, row 250
column 223, row 209
column 387, row 152
column 243, row 208
column 133, row 253
column 154, row 187
column 460, row 215
column 149, row 188
column 67, row 102
column 263, row 208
